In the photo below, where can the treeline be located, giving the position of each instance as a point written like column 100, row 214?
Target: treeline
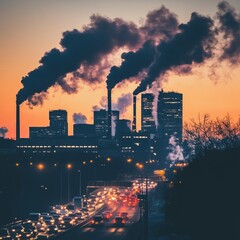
column 203, row 199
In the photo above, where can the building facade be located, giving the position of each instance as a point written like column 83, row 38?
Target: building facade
column 101, row 122
column 147, row 119
column 58, row 122
column 169, row 114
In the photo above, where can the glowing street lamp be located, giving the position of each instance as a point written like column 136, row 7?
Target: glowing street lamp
column 17, row 164
column 129, row 160
column 108, row 159
column 69, row 167
column 40, row 166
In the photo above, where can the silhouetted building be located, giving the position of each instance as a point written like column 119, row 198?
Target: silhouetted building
column 169, row 124
column 123, row 126
column 101, row 122
column 36, row 132
column 84, row 130
column 147, row 120
column 135, row 146
column 57, row 145
column 169, row 115
column 58, row 122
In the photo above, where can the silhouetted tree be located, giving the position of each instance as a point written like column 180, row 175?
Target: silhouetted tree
column 206, row 134
column 203, row 198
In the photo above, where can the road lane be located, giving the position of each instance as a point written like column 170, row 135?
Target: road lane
column 107, row 231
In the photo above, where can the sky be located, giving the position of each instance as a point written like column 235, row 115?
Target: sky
column 30, row 28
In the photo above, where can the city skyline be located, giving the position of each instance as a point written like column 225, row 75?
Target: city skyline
column 190, row 85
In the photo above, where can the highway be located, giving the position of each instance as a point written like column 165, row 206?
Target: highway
column 107, row 213
column 107, row 230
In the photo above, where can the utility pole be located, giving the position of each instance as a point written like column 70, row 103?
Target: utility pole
column 146, row 212
column 80, row 184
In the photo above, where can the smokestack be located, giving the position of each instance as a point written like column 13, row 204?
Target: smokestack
column 17, row 120
column 109, row 114
column 134, row 113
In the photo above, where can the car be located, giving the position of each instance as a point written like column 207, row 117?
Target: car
column 16, row 231
column 28, row 233
column 42, row 236
column 67, row 222
column 41, row 227
column 4, row 233
column 97, row 220
column 49, row 220
column 70, row 207
column 73, row 216
column 58, row 207
column 57, row 218
column 118, row 220
column 106, row 215
column 35, row 217
column 30, row 226
column 124, row 215
column 79, row 215
column 52, row 229
column 53, row 212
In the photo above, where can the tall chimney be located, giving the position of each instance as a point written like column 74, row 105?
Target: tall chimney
column 17, row 120
column 134, row 113
column 109, row 114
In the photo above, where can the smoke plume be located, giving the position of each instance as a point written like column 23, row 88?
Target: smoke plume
column 79, row 118
column 176, row 151
column 133, row 63
column 3, row 131
column 193, row 44
column 88, row 47
column 123, row 102
column 161, row 24
column 230, row 27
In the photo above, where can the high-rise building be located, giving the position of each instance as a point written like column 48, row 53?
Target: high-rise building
column 101, row 122
column 58, row 122
column 170, row 115
column 147, row 120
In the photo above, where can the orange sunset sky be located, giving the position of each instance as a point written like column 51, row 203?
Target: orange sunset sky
column 30, row 28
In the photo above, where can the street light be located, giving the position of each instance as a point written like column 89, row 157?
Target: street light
column 69, row 167
column 40, row 166
column 80, row 184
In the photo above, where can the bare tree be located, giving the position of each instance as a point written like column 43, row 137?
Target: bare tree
column 206, row 134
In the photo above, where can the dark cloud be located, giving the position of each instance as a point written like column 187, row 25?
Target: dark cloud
column 88, row 47
column 133, row 63
column 161, row 24
column 79, row 118
column 3, row 131
column 193, row 44
column 230, row 27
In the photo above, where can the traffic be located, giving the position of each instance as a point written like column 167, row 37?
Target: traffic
column 105, row 207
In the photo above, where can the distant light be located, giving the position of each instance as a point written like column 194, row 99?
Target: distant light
column 55, row 164
column 129, row 160
column 40, row 166
column 31, row 163
column 17, row 164
column 84, row 162
column 91, row 161
column 108, row 159
column 69, row 166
